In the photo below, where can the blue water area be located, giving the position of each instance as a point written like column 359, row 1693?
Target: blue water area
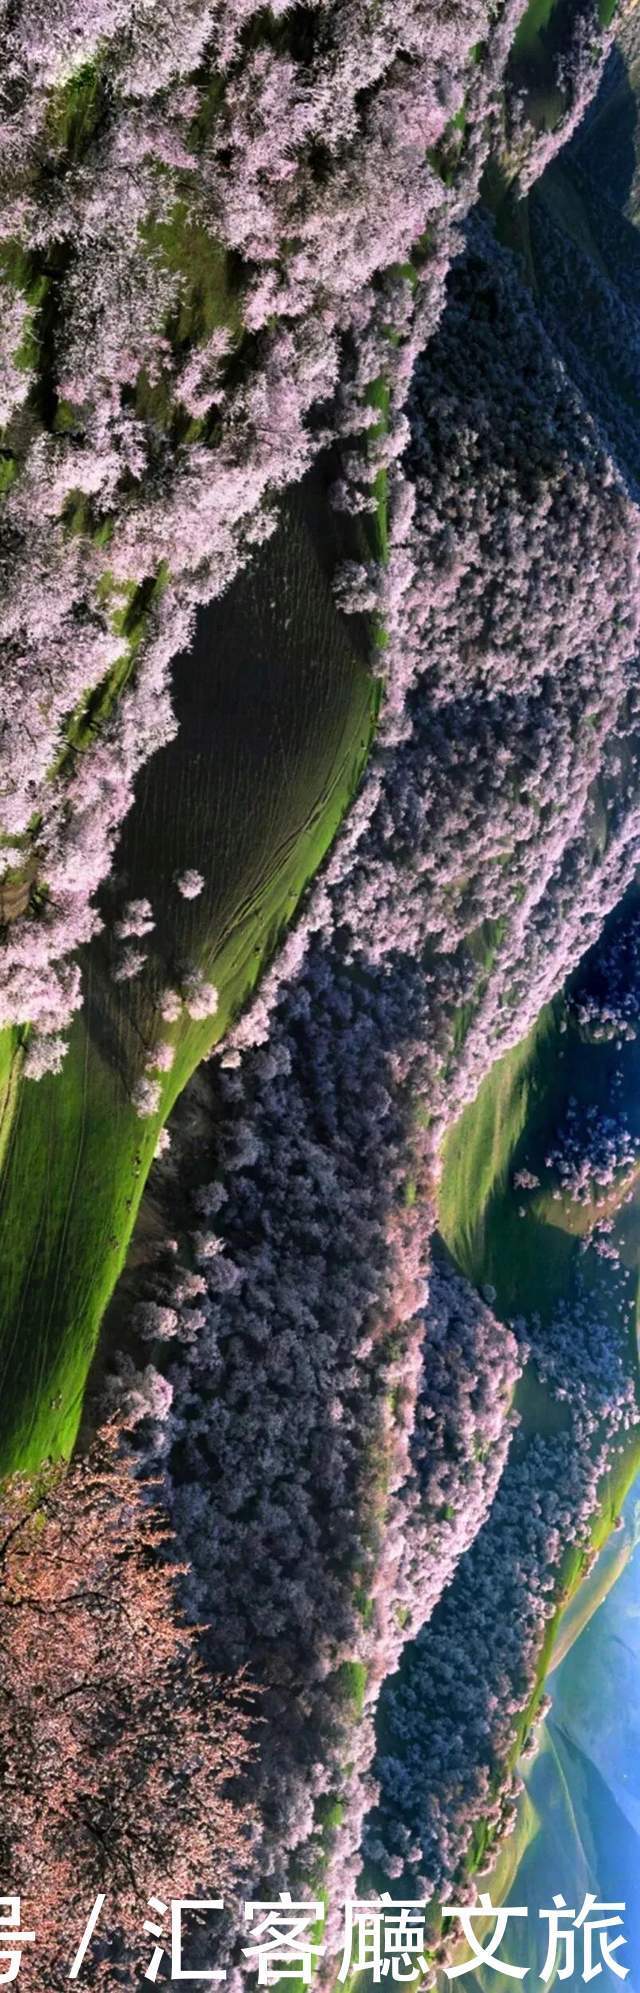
column 580, row 1820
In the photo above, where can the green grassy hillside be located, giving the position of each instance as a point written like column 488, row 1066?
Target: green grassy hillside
column 276, row 709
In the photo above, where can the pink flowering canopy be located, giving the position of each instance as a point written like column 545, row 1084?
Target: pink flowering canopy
column 236, row 245
column 150, row 412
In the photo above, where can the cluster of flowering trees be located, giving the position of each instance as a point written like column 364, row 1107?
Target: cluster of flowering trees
column 202, row 285
column 117, row 1747
column 575, row 55
column 605, row 999
column 331, row 1430
column 447, row 1721
column 590, row 1153
column 293, row 1368
column 511, row 603
column 329, row 1404
column 323, row 1506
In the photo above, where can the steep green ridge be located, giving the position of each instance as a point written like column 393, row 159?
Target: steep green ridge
column 276, row 709
column 608, row 1568
column 11, row 1057
column 478, row 1155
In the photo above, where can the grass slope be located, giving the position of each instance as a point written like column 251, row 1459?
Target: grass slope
column 276, row 709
